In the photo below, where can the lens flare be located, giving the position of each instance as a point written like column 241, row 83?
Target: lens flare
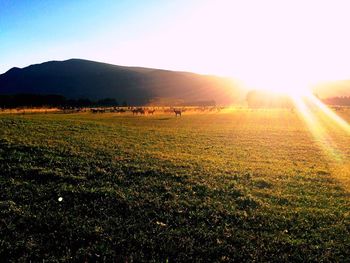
column 316, row 115
column 308, row 113
column 330, row 114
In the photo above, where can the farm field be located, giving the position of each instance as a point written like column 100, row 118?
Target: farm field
column 242, row 185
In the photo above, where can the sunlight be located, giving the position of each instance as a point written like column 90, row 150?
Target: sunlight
column 310, row 109
column 279, row 84
column 331, row 115
column 318, row 132
column 264, row 48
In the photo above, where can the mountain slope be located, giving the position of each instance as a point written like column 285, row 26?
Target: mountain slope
column 76, row 78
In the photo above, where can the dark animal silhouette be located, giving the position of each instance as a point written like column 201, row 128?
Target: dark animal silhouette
column 138, row 110
column 177, row 112
column 98, row 110
column 151, row 111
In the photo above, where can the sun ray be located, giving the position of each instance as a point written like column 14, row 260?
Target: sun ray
column 321, row 136
column 330, row 114
column 311, row 110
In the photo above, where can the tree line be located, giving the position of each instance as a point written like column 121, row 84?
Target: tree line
column 339, row 101
column 52, row 100
column 254, row 98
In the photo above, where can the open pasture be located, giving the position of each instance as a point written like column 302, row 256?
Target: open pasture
column 244, row 185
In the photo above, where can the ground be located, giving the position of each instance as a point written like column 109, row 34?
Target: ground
column 242, row 185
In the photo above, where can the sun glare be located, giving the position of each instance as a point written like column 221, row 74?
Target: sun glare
column 290, row 86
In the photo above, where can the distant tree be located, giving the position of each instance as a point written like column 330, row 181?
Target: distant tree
column 107, row 102
column 54, row 100
column 31, row 100
column 338, row 101
column 80, row 103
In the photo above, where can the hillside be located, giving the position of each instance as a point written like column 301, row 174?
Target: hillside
column 77, row 78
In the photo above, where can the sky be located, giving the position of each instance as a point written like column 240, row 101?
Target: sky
column 271, row 42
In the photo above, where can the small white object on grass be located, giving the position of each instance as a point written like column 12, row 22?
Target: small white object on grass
column 160, row 223
column 60, row 199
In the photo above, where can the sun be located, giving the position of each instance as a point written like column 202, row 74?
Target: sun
column 291, row 85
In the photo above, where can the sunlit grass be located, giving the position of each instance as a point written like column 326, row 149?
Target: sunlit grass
column 322, row 122
column 247, row 184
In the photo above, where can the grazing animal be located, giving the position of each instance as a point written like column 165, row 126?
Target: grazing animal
column 151, row 111
column 337, row 108
column 98, row 110
column 138, row 110
column 177, row 112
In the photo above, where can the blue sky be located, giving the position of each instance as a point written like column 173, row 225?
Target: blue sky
column 266, row 43
column 33, row 31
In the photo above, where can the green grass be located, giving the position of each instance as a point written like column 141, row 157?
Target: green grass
column 238, row 186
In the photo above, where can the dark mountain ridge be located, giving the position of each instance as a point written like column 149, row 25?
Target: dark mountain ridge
column 77, row 78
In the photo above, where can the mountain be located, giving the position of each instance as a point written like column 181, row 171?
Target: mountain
column 77, row 78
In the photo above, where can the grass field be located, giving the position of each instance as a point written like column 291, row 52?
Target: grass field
column 236, row 186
